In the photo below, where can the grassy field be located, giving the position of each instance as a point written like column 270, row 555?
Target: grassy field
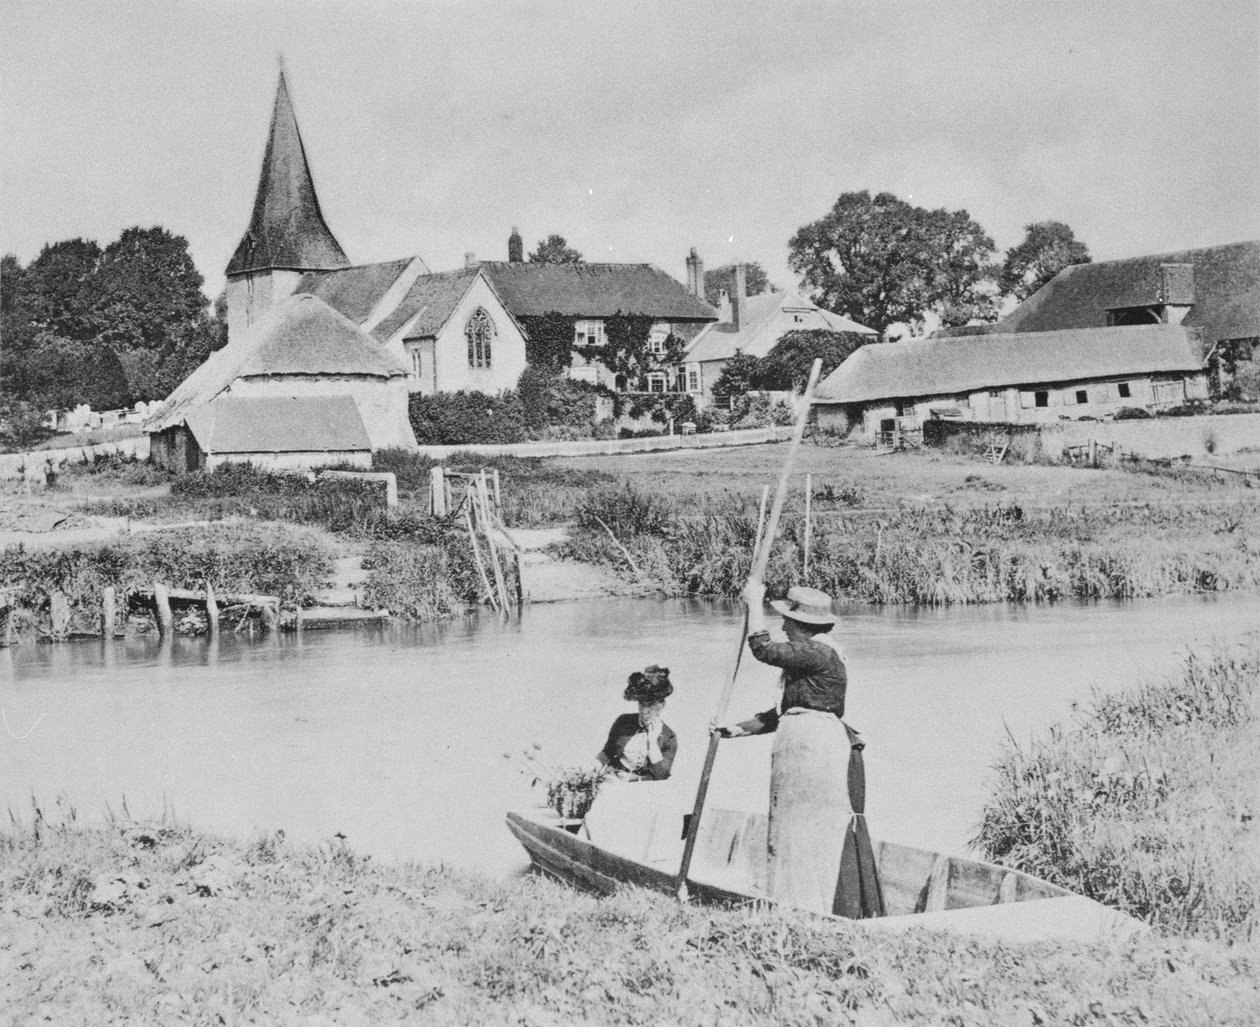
column 158, row 923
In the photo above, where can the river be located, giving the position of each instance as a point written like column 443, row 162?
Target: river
column 396, row 737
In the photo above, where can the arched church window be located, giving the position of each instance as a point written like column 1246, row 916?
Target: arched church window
column 480, row 334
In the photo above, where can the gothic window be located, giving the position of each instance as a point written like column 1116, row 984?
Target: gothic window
column 480, row 334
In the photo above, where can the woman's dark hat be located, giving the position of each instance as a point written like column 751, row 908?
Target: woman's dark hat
column 649, row 685
column 806, row 605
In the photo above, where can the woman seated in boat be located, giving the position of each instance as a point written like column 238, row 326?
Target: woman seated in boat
column 641, row 746
column 809, row 800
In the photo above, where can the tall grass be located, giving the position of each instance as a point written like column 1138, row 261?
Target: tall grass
column 930, row 557
column 1148, row 802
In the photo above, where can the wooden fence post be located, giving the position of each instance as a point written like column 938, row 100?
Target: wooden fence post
column 162, row 604
column 109, row 612
column 212, row 611
column 437, row 491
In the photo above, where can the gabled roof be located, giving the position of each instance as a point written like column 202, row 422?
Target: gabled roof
column 432, row 300
column 1226, row 292
column 300, row 336
column 944, row 366
column 287, row 229
column 354, row 291
column 279, row 424
column 594, row 290
column 764, row 319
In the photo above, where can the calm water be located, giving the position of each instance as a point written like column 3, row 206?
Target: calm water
column 396, row 737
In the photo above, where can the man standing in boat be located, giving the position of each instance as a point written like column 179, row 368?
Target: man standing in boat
column 809, row 799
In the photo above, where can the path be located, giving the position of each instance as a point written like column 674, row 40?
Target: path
column 548, row 580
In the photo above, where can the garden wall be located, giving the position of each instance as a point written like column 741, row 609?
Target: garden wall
column 35, row 461
column 604, row 447
column 1164, row 437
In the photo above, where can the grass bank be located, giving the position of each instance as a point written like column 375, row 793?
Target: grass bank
column 1148, row 801
column 934, row 556
column 158, row 923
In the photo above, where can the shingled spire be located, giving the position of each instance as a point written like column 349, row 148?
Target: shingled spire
column 287, row 230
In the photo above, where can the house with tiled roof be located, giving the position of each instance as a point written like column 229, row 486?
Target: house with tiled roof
column 1013, row 378
column 752, row 325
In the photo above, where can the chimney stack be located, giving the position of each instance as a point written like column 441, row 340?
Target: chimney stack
column 739, row 295
column 516, row 249
column 695, row 275
column 470, row 259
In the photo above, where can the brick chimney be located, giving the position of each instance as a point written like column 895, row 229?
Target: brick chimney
column 516, row 249
column 470, row 259
column 739, row 295
column 695, row 274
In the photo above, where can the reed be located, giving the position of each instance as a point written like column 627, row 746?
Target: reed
column 1147, row 801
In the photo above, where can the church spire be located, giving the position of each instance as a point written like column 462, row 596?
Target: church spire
column 287, row 229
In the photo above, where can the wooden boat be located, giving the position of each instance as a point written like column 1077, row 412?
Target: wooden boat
column 921, row 888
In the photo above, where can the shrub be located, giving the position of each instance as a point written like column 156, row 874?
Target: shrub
column 467, row 418
column 550, row 400
column 1132, row 414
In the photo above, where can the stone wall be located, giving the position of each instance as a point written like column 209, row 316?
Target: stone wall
column 1165, row 437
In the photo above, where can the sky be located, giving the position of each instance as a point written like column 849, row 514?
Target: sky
column 636, row 130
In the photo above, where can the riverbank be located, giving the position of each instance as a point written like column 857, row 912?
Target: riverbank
column 161, row 923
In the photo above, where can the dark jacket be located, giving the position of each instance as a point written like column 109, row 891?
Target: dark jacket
column 625, row 728
column 814, row 677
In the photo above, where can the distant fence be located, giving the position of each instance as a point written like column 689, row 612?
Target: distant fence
column 34, row 463
column 606, row 447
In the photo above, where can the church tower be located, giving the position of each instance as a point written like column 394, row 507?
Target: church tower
column 286, row 235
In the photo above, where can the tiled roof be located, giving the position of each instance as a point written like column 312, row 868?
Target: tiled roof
column 279, row 424
column 763, row 322
column 1226, row 292
column 354, row 291
column 594, row 290
column 432, row 297
column 944, row 366
column 301, row 335
column 287, row 229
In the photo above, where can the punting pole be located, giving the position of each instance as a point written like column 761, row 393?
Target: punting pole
column 809, row 492
column 761, row 557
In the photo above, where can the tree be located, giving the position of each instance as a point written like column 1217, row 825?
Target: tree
column 1048, row 247
column 722, row 279
column 738, row 375
column 149, row 289
column 790, row 360
column 964, row 279
column 880, row 261
column 555, row 250
column 59, row 292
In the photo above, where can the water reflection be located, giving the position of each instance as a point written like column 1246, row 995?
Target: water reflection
column 395, row 736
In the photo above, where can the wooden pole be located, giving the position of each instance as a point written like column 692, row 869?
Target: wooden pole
column 162, row 603
column 6, row 621
column 761, row 519
column 762, row 557
column 624, row 551
column 498, row 496
column 472, row 540
column 212, row 611
column 809, row 493
column 109, row 612
column 483, row 494
column 437, row 491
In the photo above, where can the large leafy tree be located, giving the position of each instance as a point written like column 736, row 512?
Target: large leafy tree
column 1048, row 247
column 149, row 290
column 881, row 261
column 790, row 360
column 555, row 249
column 722, row 279
column 963, row 283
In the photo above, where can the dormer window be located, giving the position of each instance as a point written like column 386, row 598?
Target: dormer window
column 480, row 335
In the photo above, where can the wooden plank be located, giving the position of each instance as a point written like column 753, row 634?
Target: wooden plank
column 1009, row 892
column 938, row 886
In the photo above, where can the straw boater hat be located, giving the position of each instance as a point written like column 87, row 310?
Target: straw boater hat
column 806, row 605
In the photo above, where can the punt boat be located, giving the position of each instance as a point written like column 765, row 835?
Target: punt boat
column 920, row 888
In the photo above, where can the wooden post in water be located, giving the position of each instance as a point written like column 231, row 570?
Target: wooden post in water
column 483, row 494
column 109, row 612
column 437, row 491
column 212, row 611
column 809, row 493
column 472, row 541
column 6, row 621
column 162, row 604
column 271, row 615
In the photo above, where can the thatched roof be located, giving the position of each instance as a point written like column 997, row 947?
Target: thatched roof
column 356, row 291
column 594, row 291
column 287, row 229
column 300, row 336
column 279, row 424
column 943, row 366
column 431, row 301
column 1226, row 292
column 761, row 327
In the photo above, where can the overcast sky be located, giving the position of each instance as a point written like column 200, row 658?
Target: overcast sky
column 635, row 130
